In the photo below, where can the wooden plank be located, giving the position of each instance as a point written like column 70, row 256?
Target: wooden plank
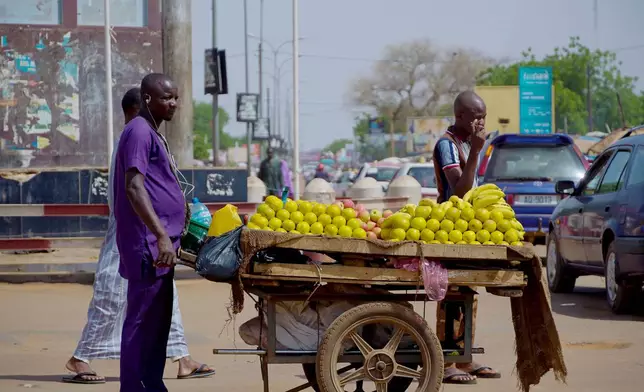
column 405, row 249
column 369, row 275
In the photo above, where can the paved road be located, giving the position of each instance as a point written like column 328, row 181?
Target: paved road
column 40, row 324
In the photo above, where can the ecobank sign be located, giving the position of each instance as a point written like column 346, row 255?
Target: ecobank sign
column 535, row 100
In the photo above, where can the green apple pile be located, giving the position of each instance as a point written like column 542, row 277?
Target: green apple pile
column 481, row 217
column 344, row 219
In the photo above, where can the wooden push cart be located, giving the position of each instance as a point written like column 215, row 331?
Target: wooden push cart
column 412, row 350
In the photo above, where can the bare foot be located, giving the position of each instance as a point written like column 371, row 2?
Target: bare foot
column 189, row 368
column 77, row 366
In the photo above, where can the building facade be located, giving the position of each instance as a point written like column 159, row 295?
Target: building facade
column 52, row 76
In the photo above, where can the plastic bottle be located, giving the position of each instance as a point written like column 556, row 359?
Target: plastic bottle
column 199, row 213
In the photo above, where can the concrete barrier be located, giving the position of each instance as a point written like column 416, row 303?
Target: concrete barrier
column 366, row 188
column 320, row 191
column 256, row 189
column 406, row 186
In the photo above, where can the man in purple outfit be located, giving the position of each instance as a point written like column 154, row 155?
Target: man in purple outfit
column 150, row 212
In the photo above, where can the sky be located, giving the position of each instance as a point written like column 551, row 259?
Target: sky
column 342, row 39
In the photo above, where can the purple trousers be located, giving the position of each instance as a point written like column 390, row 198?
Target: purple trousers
column 145, row 333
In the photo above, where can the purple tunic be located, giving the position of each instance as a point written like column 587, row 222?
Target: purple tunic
column 140, row 148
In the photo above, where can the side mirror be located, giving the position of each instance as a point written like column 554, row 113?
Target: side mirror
column 565, row 187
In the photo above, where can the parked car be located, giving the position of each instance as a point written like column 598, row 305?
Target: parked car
column 382, row 172
column 598, row 228
column 423, row 173
column 527, row 167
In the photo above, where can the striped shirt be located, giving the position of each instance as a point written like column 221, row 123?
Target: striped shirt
column 446, row 156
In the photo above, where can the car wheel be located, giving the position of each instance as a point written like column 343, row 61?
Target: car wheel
column 559, row 280
column 619, row 295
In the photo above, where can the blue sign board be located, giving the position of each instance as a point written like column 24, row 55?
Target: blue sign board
column 535, row 100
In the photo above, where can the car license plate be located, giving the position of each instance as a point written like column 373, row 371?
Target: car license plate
column 549, row 200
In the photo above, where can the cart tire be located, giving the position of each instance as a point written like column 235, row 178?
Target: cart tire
column 431, row 378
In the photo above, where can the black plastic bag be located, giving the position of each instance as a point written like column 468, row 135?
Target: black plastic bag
column 219, row 258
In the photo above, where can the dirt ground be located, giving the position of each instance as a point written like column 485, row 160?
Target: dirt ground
column 40, row 325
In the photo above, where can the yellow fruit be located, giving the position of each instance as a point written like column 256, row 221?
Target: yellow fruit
column 475, row 243
column 485, row 201
column 274, row 202
column 489, row 225
column 359, row 233
column 290, row 206
column 496, row 237
column 331, row 230
column 412, row 234
column 438, row 213
column 333, row 210
column 468, row 195
column 265, row 210
column 442, row 236
column 325, row 219
column 511, row 236
column 252, row 226
column 448, row 242
column 288, row 225
column 305, row 207
column 319, row 209
column 345, row 231
column 259, row 220
column 483, row 236
column 521, row 235
column 339, row 221
column 418, row 223
column 280, row 230
column 385, row 234
column 427, row 202
column 303, row 227
column 455, row 236
column 433, row 225
column 267, row 228
column 469, row 236
column 455, row 199
column 453, row 214
column 475, row 225
column 354, row 223
column 484, row 187
column 507, row 212
column 504, row 243
column 496, row 215
column 274, row 223
column 447, row 225
column 297, row 217
column 491, row 192
column 310, row 218
column 489, row 243
column 503, row 225
column 467, row 214
column 317, row 228
column 283, row 215
column 397, row 234
column 426, row 235
column 461, row 243
column 434, row 242
column 461, row 225
column 423, row 212
column 517, row 225
column 409, row 209
column 400, row 222
column 446, row 205
column 482, row 214
column 517, row 243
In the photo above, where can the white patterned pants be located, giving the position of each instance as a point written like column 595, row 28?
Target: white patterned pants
column 101, row 338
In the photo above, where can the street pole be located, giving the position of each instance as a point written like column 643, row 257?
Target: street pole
column 215, row 97
column 108, row 85
column 261, row 57
column 177, row 64
column 296, row 100
column 589, row 98
column 268, row 107
column 249, row 132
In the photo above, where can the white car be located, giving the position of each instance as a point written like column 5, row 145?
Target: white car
column 423, row 173
column 382, row 172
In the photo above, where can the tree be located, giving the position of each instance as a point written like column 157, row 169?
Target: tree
column 202, row 119
column 571, row 67
column 337, row 145
column 416, row 79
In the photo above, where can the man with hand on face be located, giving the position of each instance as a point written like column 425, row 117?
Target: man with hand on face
column 455, row 161
column 150, row 212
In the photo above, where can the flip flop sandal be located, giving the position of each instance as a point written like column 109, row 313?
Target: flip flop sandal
column 484, row 372
column 451, row 377
column 81, row 378
column 201, row 372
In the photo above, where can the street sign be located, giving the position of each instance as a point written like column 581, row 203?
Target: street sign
column 211, row 76
column 247, row 107
column 261, row 129
column 535, row 100
column 376, row 126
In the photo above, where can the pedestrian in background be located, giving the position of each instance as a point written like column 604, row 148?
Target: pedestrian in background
column 270, row 172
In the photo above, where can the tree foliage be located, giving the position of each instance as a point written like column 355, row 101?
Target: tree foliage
column 571, row 66
column 202, row 120
column 337, row 145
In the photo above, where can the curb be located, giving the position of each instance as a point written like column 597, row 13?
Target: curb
column 79, row 273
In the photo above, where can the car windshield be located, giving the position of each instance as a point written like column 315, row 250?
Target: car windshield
column 381, row 174
column 516, row 162
column 424, row 175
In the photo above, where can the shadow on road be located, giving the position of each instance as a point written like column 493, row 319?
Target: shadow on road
column 590, row 303
column 43, row 378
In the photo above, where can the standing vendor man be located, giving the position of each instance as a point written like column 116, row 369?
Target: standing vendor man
column 150, row 212
column 455, row 160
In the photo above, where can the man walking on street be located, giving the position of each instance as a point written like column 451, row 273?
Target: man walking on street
column 455, row 160
column 270, row 172
column 101, row 337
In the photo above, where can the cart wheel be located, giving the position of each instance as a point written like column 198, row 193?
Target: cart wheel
column 380, row 366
